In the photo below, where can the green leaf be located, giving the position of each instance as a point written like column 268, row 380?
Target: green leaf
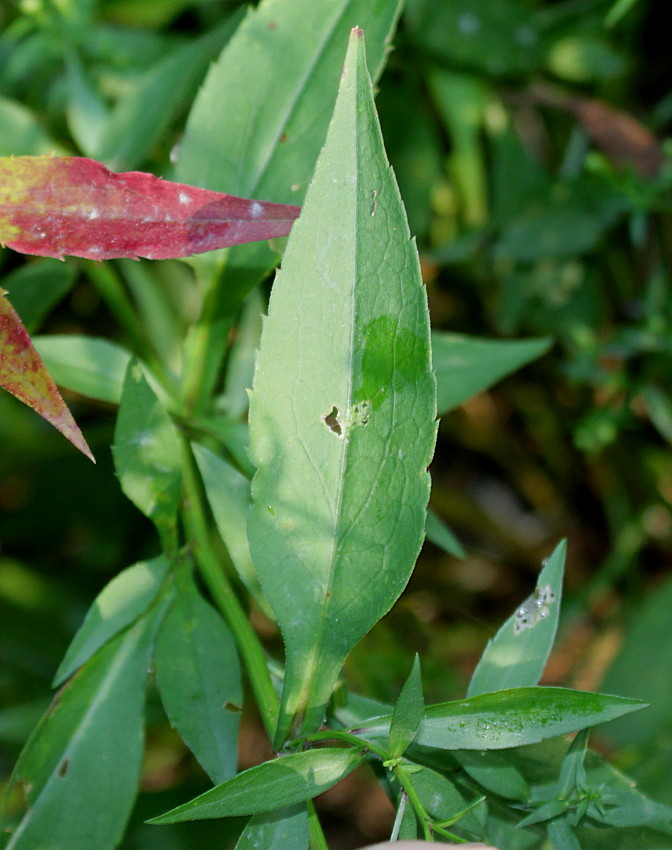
column 493, row 771
column 407, row 712
column 467, row 365
column 145, row 112
column 573, row 774
column 443, row 801
column 286, row 829
column 639, row 838
column 273, row 785
column 36, row 287
column 147, row 454
column 517, row 655
column 342, row 414
column 121, row 602
column 198, row 674
column 561, row 835
column 510, row 718
column 92, row 367
column 440, row 535
column 79, row 771
column 22, row 133
column 625, row 674
column 259, row 122
column 228, row 493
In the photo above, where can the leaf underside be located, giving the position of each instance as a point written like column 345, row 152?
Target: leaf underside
column 342, row 413
column 53, row 206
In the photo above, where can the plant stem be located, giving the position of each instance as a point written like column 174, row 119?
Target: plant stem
column 198, row 529
column 111, row 290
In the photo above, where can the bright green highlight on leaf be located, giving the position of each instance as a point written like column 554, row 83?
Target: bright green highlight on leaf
column 342, row 414
column 273, row 785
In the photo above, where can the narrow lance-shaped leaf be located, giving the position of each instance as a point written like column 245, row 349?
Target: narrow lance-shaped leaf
column 53, row 206
column 23, row 374
column 198, row 674
column 407, row 712
column 342, row 413
column 272, row 785
column 517, row 654
column 79, row 771
column 510, row 718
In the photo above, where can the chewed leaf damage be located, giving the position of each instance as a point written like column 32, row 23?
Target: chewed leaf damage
column 342, row 424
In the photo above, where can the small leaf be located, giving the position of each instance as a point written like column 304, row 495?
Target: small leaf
column 467, row 365
column 228, row 493
column 517, row 655
column 407, row 712
column 198, row 674
column 36, row 287
column 53, row 206
column 561, row 835
column 286, row 829
column 79, row 771
column 147, row 454
column 494, row 772
column 440, row 535
column 90, row 366
column 273, row 785
column 23, row 374
column 342, row 413
column 124, row 599
column 510, row 718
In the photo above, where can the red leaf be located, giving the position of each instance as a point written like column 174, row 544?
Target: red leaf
column 54, row 206
column 24, row 375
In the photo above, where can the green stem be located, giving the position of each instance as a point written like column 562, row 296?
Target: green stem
column 198, row 529
column 405, row 781
column 348, row 738
column 110, row 288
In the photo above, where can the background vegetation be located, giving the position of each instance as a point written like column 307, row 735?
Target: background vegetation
column 528, row 142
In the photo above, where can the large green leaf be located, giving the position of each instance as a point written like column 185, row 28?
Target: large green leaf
column 79, row 771
column 466, row 365
column 147, row 454
column 258, row 124
column 198, row 674
column 342, row 414
column 517, row 654
column 124, row 599
column 273, row 785
column 510, row 718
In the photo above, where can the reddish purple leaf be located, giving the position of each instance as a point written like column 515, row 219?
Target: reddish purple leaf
column 52, row 206
column 24, row 375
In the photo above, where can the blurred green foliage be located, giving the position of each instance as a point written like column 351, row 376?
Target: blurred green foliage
column 528, row 139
